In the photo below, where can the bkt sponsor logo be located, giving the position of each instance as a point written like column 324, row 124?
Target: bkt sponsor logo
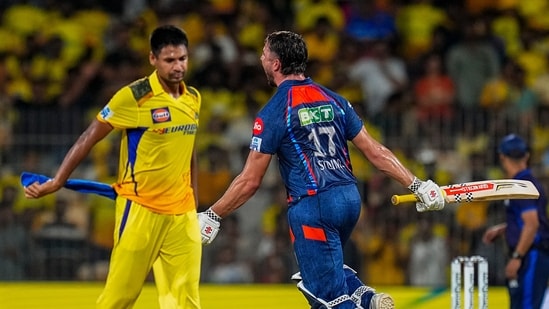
column 318, row 114
column 161, row 115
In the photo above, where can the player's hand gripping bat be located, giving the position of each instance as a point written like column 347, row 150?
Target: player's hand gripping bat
column 485, row 190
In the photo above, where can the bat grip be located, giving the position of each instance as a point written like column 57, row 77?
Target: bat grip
column 404, row 198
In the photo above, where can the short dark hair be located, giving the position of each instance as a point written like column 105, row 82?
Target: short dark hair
column 167, row 35
column 291, row 50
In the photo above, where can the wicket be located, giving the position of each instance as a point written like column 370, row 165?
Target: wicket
column 468, row 265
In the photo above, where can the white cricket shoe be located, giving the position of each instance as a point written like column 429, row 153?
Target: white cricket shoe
column 382, row 301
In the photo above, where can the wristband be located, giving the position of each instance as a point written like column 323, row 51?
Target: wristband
column 414, row 186
column 517, row 256
column 210, row 213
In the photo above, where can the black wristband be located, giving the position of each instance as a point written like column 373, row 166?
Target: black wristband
column 517, row 256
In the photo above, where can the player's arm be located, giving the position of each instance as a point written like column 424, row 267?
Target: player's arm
column 529, row 230
column 241, row 189
column 431, row 197
column 96, row 131
column 527, row 235
column 244, row 186
column 494, row 232
column 382, row 158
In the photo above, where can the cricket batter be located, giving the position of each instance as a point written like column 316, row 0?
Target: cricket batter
column 307, row 126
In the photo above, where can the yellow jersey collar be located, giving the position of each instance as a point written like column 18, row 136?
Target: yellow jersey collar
column 157, row 87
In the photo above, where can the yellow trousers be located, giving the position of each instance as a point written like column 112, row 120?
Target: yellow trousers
column 169, row 244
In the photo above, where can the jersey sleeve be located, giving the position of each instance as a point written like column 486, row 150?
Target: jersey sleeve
column 121, row 111
column 354, row 123
column 268, row 130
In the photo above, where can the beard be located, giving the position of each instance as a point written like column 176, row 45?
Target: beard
column 270, row 79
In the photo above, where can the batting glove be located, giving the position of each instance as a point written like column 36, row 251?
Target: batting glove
column 209, row 225
column 429, row 195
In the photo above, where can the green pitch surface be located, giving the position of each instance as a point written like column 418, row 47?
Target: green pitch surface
column 82, row 295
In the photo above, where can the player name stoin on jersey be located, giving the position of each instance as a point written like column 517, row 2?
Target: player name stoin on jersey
column 333, row 164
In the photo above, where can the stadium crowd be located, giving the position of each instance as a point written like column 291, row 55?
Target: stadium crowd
column 439, row 82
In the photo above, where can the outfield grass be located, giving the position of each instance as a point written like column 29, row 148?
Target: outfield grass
column 82, row 295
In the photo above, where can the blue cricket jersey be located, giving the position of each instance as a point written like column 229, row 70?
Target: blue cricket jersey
column 515, row 208
column 307, row 126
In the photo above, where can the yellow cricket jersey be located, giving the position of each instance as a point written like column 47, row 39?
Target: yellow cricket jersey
column 158, row 134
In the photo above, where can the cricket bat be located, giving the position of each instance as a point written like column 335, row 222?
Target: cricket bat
column 485, row 190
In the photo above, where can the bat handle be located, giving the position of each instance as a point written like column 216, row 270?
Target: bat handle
column 405, row 198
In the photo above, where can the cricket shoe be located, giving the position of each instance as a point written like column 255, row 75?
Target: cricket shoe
column 382, row 301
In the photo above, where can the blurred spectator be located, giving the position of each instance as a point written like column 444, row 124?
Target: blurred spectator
column 227, row 269
column 224, row 102
column 434, row 93
column 323, row 42
column 497, row 98
column 507, row 25
column 381, row 75
column 471, row 222
column 254, row 19
column 416, row 21
column 15, row 242
column 8, row 115
column 540, row 139
column 307, row 13
column 35, row 18
column 62, row 245
column 227, row 261
column 532, row 57
column 217, row 49
column 495, row 253
column 30, row 213
column 275, row 262
column 509, row 103
column 283, row 11
column 471, row 63
column 540, row 85
column 257, row 205
column 426, row 244
column 377, row 238
column 214, row 175
column 239, row 129
column 101, row 213
column 276, row 267
column 117, row 69
column 100, row 240
column 534, row 13
column 367, row 21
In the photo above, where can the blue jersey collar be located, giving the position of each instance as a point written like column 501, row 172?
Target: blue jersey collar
column 295, row 82
column 523, row 173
